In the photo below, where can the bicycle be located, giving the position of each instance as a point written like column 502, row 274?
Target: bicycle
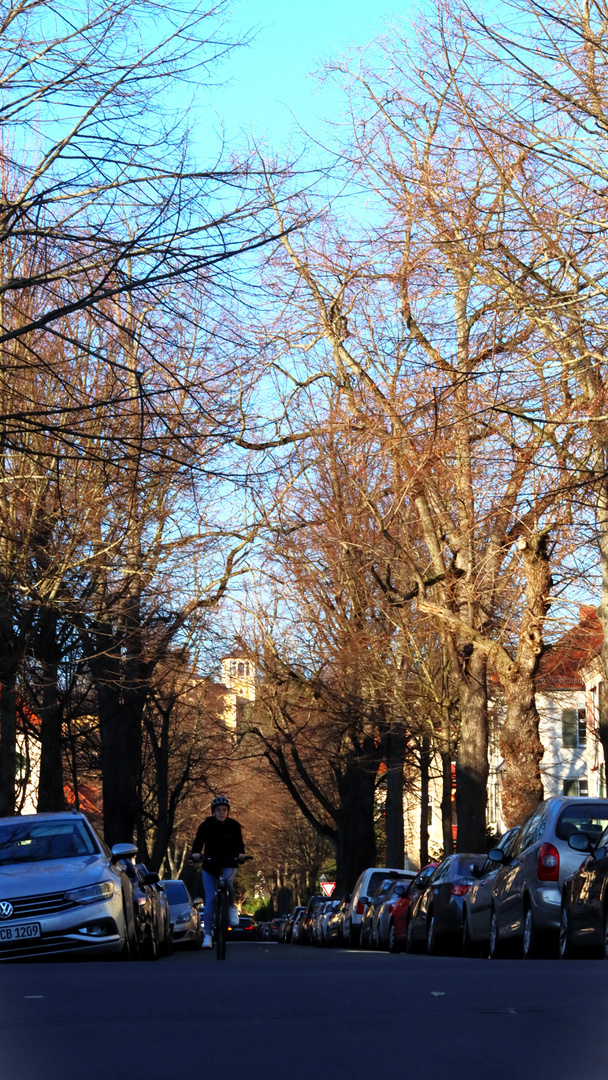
column 222, row 897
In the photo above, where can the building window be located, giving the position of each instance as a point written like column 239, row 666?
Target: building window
column 574, row 728
column 576, row 787
column 22, row 772
column 582, row 727
column 241, row 669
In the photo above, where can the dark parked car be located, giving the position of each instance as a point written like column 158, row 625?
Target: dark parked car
column 305, row 932
column 527, row 891
column 397, row 931
column 478, row 901
column 274, row 928
column 286, row 930
column 383, row 913
column 183, row 914
column 145, row 912
column 296, row 928
column 319, row 926
column 160, row 909
column 436, row 915
column 247, row 930
column 365, row 931
column 333, row 932
column 584, row 907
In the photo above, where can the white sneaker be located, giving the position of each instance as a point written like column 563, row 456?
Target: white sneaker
column 207, row 942
column 233, row 917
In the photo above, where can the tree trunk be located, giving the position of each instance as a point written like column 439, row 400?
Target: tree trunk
column 602, row 520
column 472, row 763
column 8, row 738
column 425, row 760
column 446, row 785
column 393, row 811
column 50, row 786
column 520, row 745
column 356, row 838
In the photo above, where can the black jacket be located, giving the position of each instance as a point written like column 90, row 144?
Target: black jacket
column 219, row 839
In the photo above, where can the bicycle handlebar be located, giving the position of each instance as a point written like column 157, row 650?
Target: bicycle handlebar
column 221, row 863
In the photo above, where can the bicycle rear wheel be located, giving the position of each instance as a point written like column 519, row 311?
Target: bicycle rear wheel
column 221, row 923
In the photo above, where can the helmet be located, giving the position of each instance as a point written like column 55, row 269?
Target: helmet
column 220, row 800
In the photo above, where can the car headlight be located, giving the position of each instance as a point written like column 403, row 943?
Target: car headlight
column 91, row 894
column 184, row 917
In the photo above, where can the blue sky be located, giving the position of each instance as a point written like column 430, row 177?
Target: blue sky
column 270, row 80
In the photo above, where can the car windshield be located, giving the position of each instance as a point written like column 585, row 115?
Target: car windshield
column 176, row 891
column 590, row 818
column 42, row 841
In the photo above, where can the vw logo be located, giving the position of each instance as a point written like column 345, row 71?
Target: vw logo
column 6, row 909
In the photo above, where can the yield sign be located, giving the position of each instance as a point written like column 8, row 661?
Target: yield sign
column 328, row 887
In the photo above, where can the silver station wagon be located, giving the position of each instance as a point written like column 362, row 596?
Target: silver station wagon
column 61, row 890
column 527, row 890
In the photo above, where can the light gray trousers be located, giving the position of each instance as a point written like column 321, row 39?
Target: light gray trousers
column 209, row 886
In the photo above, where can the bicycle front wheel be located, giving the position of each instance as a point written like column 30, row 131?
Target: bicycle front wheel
column 221, row 924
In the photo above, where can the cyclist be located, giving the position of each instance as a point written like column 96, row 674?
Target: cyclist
column 218, row 837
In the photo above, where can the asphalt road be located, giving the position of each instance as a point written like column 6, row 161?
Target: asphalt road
column 273, row 1012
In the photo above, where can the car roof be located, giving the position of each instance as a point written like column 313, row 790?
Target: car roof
column 56, row 815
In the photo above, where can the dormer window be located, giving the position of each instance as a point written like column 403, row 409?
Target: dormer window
column 241, row 669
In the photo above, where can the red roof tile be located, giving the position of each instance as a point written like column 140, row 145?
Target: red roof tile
column 560, row 663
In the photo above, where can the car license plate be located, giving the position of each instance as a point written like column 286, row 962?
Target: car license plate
column 20, row 931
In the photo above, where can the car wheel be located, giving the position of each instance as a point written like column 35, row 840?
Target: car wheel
column 166, row 948
column 469, row 948
column 530, row 940
column 411, row 944
column 151, row 948
column 566, row 951
column 432, row 938
column 393, row 941
column 604, row 945
column 496, row 945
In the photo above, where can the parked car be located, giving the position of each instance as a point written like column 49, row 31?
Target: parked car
column 319, row 926
column 286, row 930
column 381, row 918
column 583, row 927
column 399, row 917
column 527, row 890
column 144, row 912
column 365, row 887
column 365, row 930
column 435, row 917
column 305, row 932
column 274, row 928
column 476, row 916
column 297, row 924
column 247, row 930
column 183, row 914
column 62, row 891
column 160, row 910
column 333, row 932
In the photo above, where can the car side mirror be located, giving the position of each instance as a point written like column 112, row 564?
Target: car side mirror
column 580, row 841
column 399, row 890
column 364, row 899
column 496, row 856
column 198, row 901
column 150, row 878
column 123, row 851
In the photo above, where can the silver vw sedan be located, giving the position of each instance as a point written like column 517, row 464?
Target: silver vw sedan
column 61, row 890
